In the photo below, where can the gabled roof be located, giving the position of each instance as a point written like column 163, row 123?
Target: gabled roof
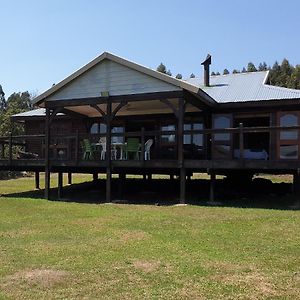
column 242, row 87
column 34, row 113
column 160, row 76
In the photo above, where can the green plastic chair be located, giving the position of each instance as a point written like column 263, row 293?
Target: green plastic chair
column 88, row 152
column 132, row 148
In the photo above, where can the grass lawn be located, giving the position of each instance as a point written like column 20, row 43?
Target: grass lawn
column 60, row 250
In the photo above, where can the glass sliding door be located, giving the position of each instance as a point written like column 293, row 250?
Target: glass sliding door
column 221, row 142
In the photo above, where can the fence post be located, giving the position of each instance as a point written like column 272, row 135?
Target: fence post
column 241, row 140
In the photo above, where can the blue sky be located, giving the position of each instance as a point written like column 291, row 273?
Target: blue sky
column 42, row 42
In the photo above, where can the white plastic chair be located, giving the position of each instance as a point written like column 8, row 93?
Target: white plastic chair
column 102, row 143
column 148, row 145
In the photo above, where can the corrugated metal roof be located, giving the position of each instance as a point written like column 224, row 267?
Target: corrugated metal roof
column 39, row 112
column 244, row 87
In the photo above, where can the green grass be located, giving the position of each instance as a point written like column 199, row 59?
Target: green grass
column 56, row 250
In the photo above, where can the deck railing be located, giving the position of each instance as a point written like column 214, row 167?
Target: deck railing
column 69, row 146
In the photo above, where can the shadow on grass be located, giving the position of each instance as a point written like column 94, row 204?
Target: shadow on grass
column 259, row 193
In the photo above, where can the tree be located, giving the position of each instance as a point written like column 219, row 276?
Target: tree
column 262, row 67
column 251, row 67
column 192, row 75
column 169, row 73
column 244, row 70
column 235, row 71
column 225, row 72
column 162, row 68
column 218, row 73
column 2, row 99
column 213, row 74
column 179, row 76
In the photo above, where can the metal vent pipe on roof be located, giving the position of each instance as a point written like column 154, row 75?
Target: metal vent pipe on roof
column 206, row 64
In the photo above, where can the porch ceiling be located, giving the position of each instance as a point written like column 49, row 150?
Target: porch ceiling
column 133, row 108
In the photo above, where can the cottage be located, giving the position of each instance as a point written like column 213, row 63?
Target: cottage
column 115, row 116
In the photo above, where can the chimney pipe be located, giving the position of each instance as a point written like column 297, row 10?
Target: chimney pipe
column 206, row 64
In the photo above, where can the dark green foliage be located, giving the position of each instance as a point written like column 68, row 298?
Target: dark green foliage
column 244, row 70
column 2, row 99
column 235, row 71
column 213, row 74
column 218, row 73
column 179, row 76
column 169, row 73
column 262, row 67
column 161, row 68
column 225, row 72
column 251, row 67
column 192, row 75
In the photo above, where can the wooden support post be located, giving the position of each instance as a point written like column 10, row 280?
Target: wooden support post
column 95, row 176
column 180, row 150
column 143, row 145
column 296, row 188
column 77, row 147
column 241, row 141
column 69, row 178
column 47, row 162
column 121, row 182
column 108, row 150
column 149, row 176
column 182, row 185
column 212, row 187
column 60, row 185
column 10, row 148
column 37, row 180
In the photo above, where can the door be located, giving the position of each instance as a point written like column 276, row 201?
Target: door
column 221, row 142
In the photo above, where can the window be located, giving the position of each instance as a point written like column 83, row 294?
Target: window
column 117, row 138
column 169, row 137
column 98, row 128
column 288, row 142
column 191, row 138
column 219, row 123
column 285, row 121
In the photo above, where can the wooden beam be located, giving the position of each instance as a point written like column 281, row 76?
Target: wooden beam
column 47, row 145
column 113, row 99
column 37, row 180
column 60, row 185
column 182, row 185
column 170, row 105
column 69, row 178
column 212, row 187
column 54, row 113
column 120, row 105
column 73, row 114
column 108, row 150
column 99, row 110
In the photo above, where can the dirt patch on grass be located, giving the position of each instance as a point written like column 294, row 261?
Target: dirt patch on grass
column 42, row 277
column 259, row 284
column 147, row 266
column 135, row 235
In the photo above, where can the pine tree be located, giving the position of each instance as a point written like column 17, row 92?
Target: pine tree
column 2, row 99
column 225, row 72
column 162, row 68
column 235, row 71
column 179, row 76
column 213, row 73
column 251, row 67
column 169, row 73
column 218, row 73
column 192, row 75
column 244, row 70
column 262, row 67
